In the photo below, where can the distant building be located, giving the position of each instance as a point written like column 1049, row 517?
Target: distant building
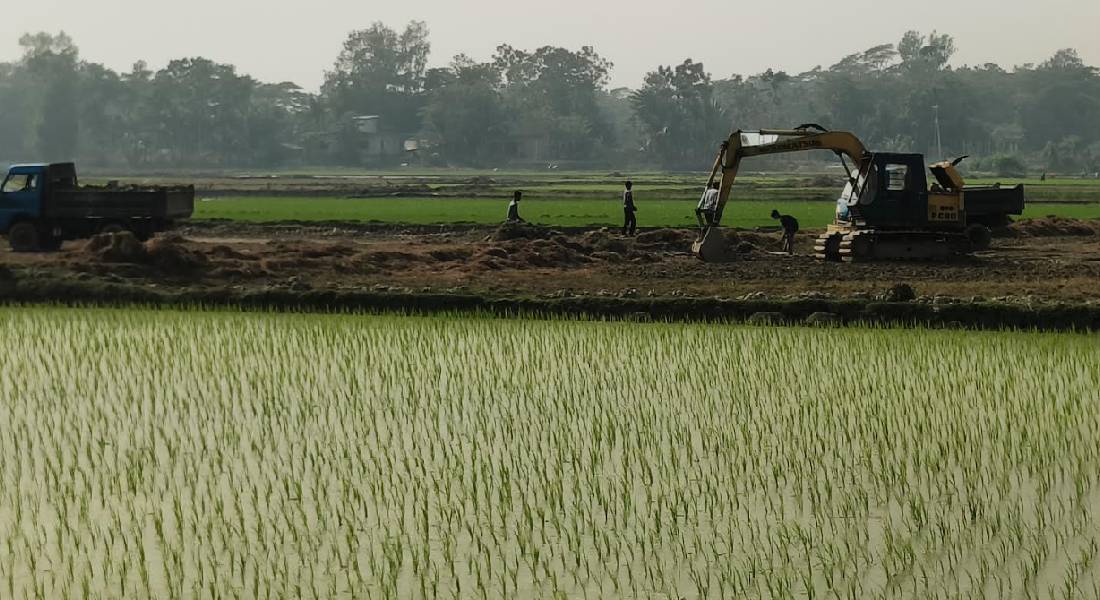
column 365, row 142
column 368, row 124
column 376, row 143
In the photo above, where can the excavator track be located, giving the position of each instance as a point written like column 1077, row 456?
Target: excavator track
column 870, row 245
column 827, row 246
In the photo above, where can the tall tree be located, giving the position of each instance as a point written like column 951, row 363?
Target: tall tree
column 679, row 116
column 16, row 112
column 466, row 112
column 202, row 110
column 1061, row 107
column 51, row 62
column 381, row 72
column 553, row 92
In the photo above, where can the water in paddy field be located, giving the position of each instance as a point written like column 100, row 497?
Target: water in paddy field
column 170, row 453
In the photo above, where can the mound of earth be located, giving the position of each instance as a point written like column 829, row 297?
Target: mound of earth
column 1053, row 226
column 520, row 254
column 521, row 231
column 168, row 253
column 745, row 242
column 121, row 247
column 667, row 240
column 224, row 252
column 602, row 240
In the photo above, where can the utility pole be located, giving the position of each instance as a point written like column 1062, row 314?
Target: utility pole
column 939, row 139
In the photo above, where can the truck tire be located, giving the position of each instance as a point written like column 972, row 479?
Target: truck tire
column 23, row 237
column 112, row 228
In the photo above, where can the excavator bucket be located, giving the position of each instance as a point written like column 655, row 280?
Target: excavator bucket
column 712, row 246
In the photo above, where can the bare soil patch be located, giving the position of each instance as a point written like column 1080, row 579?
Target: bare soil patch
column 1039, row 261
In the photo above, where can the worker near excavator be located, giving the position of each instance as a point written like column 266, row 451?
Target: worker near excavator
column 630, row 222
column 513, row 208
column 708, row 204
column 790, row 228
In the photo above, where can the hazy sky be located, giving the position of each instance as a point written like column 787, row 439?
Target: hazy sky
column 276, row 40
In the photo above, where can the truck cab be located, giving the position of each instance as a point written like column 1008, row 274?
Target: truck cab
column 21, row 194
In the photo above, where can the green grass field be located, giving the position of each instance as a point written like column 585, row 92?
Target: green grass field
column 555, row 212
column 223, row 455
column 557, row 198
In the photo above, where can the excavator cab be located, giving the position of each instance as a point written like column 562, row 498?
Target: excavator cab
column 860, row 186
column 895, row 193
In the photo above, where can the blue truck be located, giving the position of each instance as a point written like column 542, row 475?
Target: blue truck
column 42, row 205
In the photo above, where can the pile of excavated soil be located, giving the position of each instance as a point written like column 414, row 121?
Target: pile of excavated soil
column 1052, row 227
column 522, row 246
column 121, row 247
column 541, row 253
column 602, row 240
column 666, row 240
column 168, row 253
column 521, row 231
column 748, row 241
column 540, row 248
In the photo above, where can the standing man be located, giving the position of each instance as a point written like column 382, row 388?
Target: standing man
column 630, row 222
column 513, row 208
column 790, row 227
column 704, row 211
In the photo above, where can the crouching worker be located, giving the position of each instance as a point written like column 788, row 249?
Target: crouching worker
column 708, row 204
column 790, row 228
column 513, row 208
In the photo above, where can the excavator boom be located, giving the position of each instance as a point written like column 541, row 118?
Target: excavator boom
column 763, row 142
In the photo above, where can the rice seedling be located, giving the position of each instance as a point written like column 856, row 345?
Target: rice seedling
column 197, row 454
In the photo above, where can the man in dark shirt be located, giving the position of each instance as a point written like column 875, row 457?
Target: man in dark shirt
column 790, row 227
column 513, row 208
column 630, row 222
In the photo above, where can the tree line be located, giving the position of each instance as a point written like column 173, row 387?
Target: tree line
column 382, row 105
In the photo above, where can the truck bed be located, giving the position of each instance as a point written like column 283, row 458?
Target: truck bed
column 161, row 203
column 980, row 201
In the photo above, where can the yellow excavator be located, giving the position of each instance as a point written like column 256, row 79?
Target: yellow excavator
column 887, row 209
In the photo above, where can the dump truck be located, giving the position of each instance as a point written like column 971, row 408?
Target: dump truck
column 42, row 205
column 887, row 210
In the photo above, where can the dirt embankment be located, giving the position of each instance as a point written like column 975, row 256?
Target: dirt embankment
column 1046, row 259
column 1051, row 227
column 1032, row 265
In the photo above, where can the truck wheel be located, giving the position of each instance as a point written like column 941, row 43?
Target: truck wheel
column 979, row 237
column 112, row 228
column 23, row 237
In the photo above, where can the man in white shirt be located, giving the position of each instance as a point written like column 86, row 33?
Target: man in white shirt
column 708, row 204
column 513, row 208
